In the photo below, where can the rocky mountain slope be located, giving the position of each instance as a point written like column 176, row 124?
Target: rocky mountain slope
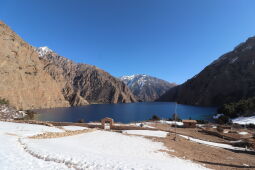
column 23, row 80
column 82, row 83
column 39, row 78
column 228, row 79
column 146, row 88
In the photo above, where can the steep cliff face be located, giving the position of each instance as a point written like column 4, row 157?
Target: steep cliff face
column 23, row 80
column 228, row 79
column 82, row 83
column 146, row 88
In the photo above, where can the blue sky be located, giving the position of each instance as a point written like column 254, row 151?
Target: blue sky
column 169, row 39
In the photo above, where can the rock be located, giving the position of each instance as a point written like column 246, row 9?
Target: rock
column 24, row 82
column 7, row 112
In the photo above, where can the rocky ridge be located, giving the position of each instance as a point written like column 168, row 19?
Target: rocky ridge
column 145, row 87
column 228, row 79
column 23, row 81
column 82, row 83
column 33, row 78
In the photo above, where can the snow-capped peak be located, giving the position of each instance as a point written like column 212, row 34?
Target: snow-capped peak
column 140, row 79
column 131, row 77
column 145, row 87
column 43, row 50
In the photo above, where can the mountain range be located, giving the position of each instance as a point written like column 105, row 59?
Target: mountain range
column 40, row 78
column 82, row 83
column 145, row 87
column 227, row 79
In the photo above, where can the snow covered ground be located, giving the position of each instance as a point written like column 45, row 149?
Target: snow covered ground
column 94, row 150
column 213, row 144
column 144, row 124
column 154, row 133
column 171, row 122
column 243, row 133
column 12, row 153
column 25, row 130
column 244, row 120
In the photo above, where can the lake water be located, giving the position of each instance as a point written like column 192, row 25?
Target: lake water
column 125, row 113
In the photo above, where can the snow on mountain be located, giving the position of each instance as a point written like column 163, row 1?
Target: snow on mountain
column 48, row 54
column 43, row 50
column 141, row 79
column 145, row 87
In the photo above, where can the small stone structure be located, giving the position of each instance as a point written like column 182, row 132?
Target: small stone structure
column 189, row 123
column 107, row 123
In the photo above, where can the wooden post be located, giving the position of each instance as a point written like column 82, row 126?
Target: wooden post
column 175, row 138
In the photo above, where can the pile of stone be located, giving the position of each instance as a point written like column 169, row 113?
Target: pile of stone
column 7, row 113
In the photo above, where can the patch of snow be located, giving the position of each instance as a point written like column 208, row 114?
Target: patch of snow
column 43, row 50
column 128, row 77
column 222, row 58
column 145, row 125
column 154, row 133
column 217, row 116
column 74, row 128
column 246, row 165
column 249, row 47
column 244, row 120
column 120, row 124
column 234, row 60
column 139, row 79
column 142, row 80
column 199, row 125
column 171, row 122
column 94, row 123
column 101, row 150
column 213, row 144
column 23, row 113
column 243, row 133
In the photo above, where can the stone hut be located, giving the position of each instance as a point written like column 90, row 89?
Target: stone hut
column 107, row 123
column 189, row 123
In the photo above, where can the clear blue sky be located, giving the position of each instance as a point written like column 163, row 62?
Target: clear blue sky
column 169, row 39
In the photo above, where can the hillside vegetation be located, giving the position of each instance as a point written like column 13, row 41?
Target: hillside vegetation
column 240, row 108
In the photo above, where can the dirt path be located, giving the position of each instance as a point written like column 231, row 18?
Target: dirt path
column 211, row 157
